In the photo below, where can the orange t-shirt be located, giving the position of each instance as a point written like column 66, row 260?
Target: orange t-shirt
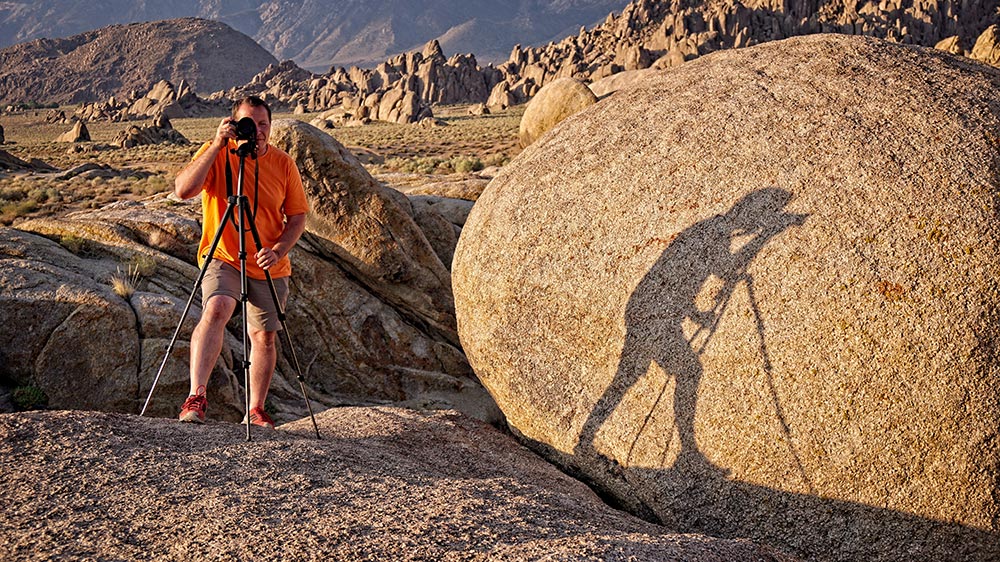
column 281, row 194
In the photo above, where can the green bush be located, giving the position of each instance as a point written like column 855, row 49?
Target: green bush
column 11, row 211
column 29, row 398
column 73, row 243
column 464, row 165
column 25, row 105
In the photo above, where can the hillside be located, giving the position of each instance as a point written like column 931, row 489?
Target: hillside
column 116, row 60
column 317, row 35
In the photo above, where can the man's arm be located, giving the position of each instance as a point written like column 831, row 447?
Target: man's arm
column 190, row 180
column 295, row 225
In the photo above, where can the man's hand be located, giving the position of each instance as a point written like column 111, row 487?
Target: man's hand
column 266, row 258
column 190, row 180
column 226, row 131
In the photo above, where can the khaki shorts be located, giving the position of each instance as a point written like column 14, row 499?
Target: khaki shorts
column 224, row 279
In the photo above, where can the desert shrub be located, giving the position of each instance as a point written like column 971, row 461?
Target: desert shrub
column 38, row 195
column 125, row 284
column 431, row 165
column 29, row 398
column 417, row 165
column 144, row 265
column 10, row 194
column 73, row 243
column 498, row 159
column 11, row 211
column 151, row 185
column 464, row 164
column 28, row 105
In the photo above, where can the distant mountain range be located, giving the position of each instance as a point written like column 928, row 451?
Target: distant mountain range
column 119, row 59
column 318, row 35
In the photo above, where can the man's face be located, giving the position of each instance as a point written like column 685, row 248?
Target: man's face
column 259, row 116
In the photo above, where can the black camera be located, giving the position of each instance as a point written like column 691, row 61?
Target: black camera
column 246, row 130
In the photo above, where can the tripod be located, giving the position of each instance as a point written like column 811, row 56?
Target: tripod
column 240, row 205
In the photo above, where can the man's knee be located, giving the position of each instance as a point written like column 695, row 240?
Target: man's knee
column 218, row 310
column 263, row 338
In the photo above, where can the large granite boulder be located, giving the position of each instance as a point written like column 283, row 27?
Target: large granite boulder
column 756, row 296
column 553, row 103
column 86, row 328
column 70, row 334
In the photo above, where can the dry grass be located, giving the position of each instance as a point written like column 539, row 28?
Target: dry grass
column 125, row 284
column 467, row 143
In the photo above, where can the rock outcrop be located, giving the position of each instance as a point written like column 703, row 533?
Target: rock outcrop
column 371, row 314
column 78, row 133
column 158, row 131
column 369, row 227
column 9, row 162
column 382, row 484
column 163, row 100
column 553, row 103
column 646, row 34
column 755, row 296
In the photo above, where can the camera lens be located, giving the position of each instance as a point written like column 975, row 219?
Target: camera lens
column 246, row 129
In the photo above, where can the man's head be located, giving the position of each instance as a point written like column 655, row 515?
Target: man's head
column 258, row 110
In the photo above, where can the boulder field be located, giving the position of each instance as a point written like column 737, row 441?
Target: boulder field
column 370, row 314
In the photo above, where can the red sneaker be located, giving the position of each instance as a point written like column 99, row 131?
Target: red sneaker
column 194, row 408
column 259, row 417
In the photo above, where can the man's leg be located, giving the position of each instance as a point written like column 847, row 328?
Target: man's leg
column 263, row 358
column 206, row 341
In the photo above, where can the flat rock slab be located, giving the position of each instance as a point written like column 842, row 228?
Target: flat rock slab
column 382, row 484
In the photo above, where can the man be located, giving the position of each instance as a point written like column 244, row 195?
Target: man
column 279, row 206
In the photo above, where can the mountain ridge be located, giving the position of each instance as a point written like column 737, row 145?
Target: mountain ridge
column 317, row 37
column 116, row 60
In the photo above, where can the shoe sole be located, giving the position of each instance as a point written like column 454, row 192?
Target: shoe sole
column 191, row 417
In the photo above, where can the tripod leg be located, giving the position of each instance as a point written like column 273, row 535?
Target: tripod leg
column 244, row 287
column 201, row 275
column 284, row 325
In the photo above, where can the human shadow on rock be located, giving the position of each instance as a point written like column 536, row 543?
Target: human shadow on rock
column 694, row 495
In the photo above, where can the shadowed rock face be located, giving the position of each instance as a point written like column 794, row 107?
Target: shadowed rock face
column 370, row 314
column 368, row 226
column 755, row 296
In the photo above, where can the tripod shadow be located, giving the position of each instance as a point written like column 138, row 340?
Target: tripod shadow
column 669, row 324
